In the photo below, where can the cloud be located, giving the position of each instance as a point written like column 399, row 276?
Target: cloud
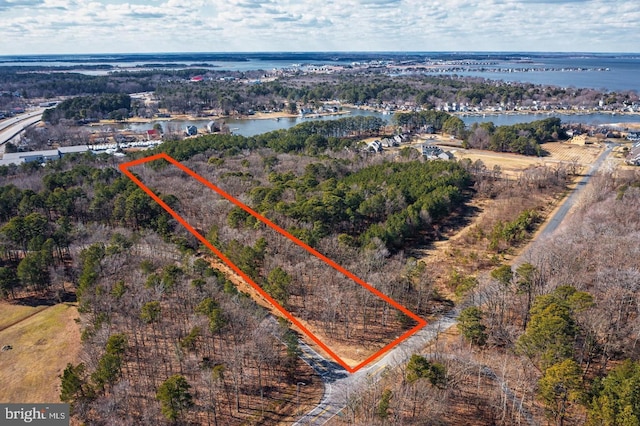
column 250, row 4
column 216, row 25
column 287, row 18
column 10, row 4
column 556, row 2
column 146, row 15
column 380, row 3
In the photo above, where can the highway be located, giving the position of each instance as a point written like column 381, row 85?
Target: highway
column 10, row 127
column 341, row 387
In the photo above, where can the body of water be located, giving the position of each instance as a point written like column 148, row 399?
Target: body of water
column 600, row 73
column 596, row 119
column 244, row 126
column 252, row 127
column 613, row 72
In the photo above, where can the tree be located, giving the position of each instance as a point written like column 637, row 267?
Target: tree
column 110, row 364
column 503, row 274
column 616, row 400
column 550, row 333
column 33, row 270
column 150, row 312
column 527, row 277
column 561, row 386
column 8, row 281
column 174, row 397
column 278, row 282
column 73, row 384
column 420, row 368
column 471, row 327
column 383, row 405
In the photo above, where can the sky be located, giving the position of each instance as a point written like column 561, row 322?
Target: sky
column 132, row 26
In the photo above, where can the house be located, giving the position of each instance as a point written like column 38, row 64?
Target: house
column 430, row 151
column 429, row 129
column 191, row 130
column 10, row 161
column 633, row 136
column 445, row 155
column 433, row 152
column 375, row 146
column 153, row 135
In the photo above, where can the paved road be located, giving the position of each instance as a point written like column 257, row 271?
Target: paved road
column 569, row 203
column 341, row 387
column 9, row 128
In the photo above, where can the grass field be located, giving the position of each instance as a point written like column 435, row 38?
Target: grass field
column 12, row 314
column 43, row 342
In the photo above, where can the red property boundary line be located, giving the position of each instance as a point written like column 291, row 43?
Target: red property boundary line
column 163, row 156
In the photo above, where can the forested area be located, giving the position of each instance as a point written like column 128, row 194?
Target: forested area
column 151, row 311
column 522, row 138
column 157, row 320
column 358, row 215
column 83, row 109
column 552, row 339
column 33, row 83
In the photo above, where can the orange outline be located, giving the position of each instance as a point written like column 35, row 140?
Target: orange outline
column 421, row 322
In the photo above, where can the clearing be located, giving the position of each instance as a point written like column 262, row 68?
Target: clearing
column 43, row 341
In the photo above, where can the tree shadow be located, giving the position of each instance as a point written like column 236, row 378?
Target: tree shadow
column 46, row 299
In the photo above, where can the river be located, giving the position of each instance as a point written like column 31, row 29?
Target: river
column 252, row 127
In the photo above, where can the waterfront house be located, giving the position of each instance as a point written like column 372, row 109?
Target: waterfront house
column 375, row 146
column 191, row 130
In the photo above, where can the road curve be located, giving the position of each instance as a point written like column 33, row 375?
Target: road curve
column 9, row 128
column 341, row 387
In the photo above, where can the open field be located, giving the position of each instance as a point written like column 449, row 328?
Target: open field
column 13, row 314
column 512, row 164
column 42, row 345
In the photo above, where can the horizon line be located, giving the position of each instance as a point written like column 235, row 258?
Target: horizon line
column 294, row 52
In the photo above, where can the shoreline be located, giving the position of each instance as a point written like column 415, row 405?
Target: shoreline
column 285, row 115
column 507, row 112
column 186, row 117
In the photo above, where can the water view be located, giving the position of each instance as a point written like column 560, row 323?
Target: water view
column 252, row 127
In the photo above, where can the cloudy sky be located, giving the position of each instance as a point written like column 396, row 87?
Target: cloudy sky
column 120, row 26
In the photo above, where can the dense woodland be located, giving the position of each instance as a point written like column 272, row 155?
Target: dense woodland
column 79, row 228
column 83, row 109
